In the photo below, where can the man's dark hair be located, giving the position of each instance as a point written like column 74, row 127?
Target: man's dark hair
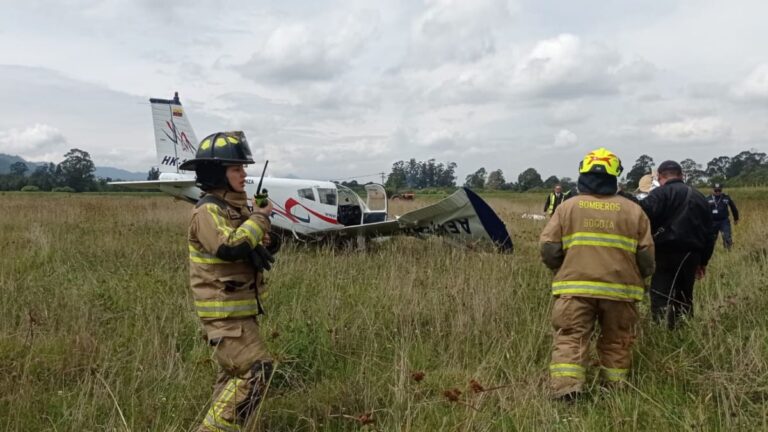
column 670, row 169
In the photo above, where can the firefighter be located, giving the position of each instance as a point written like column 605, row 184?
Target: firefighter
column 227, row 256
column 718, row 205
column 682, row 232
column 599, row 245
column 554, row 199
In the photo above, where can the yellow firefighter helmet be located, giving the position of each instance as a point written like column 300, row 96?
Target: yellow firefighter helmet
column 602, row 161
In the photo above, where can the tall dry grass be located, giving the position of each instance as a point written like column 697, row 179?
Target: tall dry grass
column 98, row 331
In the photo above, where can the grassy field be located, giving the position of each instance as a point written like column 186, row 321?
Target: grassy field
column 98, row 332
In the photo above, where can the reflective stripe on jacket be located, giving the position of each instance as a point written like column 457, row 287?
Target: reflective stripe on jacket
column 222, row 233
column 552, row 202
column 585, row 238
column 598, row 289
column 600, row 246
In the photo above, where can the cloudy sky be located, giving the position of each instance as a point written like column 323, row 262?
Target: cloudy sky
column 335, row 89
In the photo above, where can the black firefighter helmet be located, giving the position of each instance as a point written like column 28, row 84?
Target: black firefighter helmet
column 221, row 148
column 214, row 154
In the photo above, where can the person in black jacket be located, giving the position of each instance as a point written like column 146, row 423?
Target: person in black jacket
column 681, row 222
column 718, row 205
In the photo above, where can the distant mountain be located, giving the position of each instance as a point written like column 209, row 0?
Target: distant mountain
column 114, row 173
column 7, row 160
column 117, row 173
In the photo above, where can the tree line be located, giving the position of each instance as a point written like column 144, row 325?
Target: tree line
column 421, row 174
column 747, row 168
column 413, row 174
column 73, row 174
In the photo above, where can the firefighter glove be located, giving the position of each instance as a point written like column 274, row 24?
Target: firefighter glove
column 261, row 258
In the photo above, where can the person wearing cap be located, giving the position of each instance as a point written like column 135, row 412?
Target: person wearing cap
column 721, row 223
column 682, row 231
column 227, row 257
column 599, row 245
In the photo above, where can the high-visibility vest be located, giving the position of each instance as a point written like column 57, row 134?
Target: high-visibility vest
column 552, row 199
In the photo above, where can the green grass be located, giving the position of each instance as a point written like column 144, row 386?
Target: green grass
column 98, row 332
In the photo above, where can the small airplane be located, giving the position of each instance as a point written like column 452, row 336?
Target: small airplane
column 317, row 209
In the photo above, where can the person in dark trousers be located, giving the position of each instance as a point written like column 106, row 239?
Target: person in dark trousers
column 681, row 222
column 721, row 223
column 554, row 199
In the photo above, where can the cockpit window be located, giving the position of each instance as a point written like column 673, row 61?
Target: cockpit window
column 327, row 196
column 307, row 194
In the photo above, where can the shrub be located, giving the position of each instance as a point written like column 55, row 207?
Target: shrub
column 63, row 189
column 30, row 188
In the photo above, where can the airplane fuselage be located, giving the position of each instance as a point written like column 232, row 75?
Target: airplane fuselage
column 301, row 206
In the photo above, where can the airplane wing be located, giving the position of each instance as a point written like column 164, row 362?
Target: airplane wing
column 154, row 184
column 184, row 189
column 462, row 217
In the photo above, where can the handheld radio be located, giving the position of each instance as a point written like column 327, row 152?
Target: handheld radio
column 261, row 199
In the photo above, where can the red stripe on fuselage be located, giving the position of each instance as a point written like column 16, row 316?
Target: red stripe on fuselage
column 291, row 203
column 286, row 215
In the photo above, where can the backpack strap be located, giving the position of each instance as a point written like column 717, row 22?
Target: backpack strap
column 211, row 199
column 683, row 208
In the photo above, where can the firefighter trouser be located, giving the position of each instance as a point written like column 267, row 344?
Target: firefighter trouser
column 245, row 371
column 573, row 320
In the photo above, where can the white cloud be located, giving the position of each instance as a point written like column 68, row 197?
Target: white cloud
column 446, row 140
column 700, row 129
column 456, row 31
column 565, row 66
column 559, row 68
column 342, row 97
column 703, row 40
column 305, row 52
column 755, row 86
column 706, row 90
column 39, row 142
column 565, row 139
column 568, row 112
column 637, row 69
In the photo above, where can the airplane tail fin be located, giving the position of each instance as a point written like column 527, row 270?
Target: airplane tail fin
column 174, row 138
